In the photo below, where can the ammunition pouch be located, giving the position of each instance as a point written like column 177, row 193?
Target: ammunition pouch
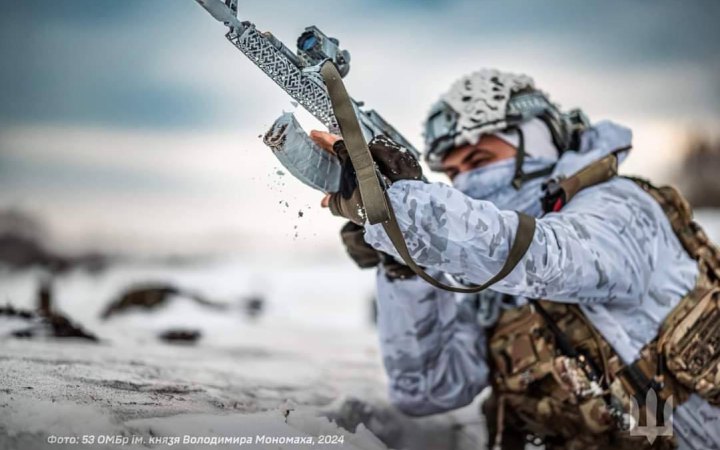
column 544, row 389
column 521, row 349
column 689, row 338
column 690, row 344
column 548, row 395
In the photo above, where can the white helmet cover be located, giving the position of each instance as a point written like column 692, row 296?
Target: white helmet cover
column 485, row 102
column 480, row 100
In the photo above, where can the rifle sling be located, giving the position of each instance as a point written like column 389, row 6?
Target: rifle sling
column 371, row 192
column 378, row 208
column 522, row 241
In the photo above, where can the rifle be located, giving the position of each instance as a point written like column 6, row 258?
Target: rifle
column 313, row 77
column 298, row 74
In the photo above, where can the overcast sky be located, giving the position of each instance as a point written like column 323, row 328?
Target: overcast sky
column 133, row 124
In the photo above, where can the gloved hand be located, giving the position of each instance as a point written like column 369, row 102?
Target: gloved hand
column 361, row 252
column 347, row 202
column 366, row 257
column 393, row 162
column 394, row 269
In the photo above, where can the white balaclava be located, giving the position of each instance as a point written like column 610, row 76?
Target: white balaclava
column 494, row 181
column 538, row 140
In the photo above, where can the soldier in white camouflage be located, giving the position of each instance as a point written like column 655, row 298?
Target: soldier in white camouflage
column 619, row 265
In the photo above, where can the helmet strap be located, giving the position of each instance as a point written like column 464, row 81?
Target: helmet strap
column 520, row 177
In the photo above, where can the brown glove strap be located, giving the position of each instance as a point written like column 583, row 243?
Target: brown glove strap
column 378, row 208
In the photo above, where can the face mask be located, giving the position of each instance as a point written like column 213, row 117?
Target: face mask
column 493, row 183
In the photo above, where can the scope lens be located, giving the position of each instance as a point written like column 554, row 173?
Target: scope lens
column 309, row 42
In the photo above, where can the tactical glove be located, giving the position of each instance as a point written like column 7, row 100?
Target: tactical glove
column 395, row 270
column 394, row 163
column 366, row 257
column 359, row 251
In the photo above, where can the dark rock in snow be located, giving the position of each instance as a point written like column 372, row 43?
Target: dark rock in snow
column 254, row 306
column 184, row 336
column 151, row 296
column 29, row 324
column 45, row 295
column 140, row 297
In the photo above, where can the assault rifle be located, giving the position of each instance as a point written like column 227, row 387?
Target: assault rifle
column 313, row 76
column 298, row 74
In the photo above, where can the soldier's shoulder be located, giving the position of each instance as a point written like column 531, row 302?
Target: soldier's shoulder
column 619, row 200
column 618, row 191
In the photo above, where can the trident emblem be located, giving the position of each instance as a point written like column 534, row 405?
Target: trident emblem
column 651, row 430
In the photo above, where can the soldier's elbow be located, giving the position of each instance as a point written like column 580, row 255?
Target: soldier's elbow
column 427, row 407
column 443, row 399
column 411, row 407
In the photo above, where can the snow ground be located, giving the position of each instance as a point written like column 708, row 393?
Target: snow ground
column 313, row 348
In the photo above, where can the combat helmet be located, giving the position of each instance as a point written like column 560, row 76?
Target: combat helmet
column 488, row 101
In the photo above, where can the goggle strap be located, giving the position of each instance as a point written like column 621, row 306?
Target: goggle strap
column 521, row 177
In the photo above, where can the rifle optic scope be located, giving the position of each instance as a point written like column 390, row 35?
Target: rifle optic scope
column 314, row 47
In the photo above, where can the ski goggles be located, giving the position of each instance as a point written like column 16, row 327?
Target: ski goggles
column 441, row 127
column 440, row 133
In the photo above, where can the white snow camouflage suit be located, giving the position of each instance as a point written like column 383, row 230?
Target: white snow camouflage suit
column 611, row 250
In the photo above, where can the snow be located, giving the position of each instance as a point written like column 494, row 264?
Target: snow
column 262, row 424
column 330, row 295
column 314, row 345
column 312, row 348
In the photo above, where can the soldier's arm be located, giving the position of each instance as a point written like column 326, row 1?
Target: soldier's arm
column 601, row 248
column 432, row 347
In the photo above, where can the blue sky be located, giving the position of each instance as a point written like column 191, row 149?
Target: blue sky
column 99, row 98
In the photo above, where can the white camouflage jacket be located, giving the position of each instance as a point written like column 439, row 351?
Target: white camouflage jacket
column 611, row 250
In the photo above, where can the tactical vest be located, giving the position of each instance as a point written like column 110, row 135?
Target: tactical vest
column 555, row 378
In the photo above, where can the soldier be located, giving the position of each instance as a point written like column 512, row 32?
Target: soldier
column 614, row 303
